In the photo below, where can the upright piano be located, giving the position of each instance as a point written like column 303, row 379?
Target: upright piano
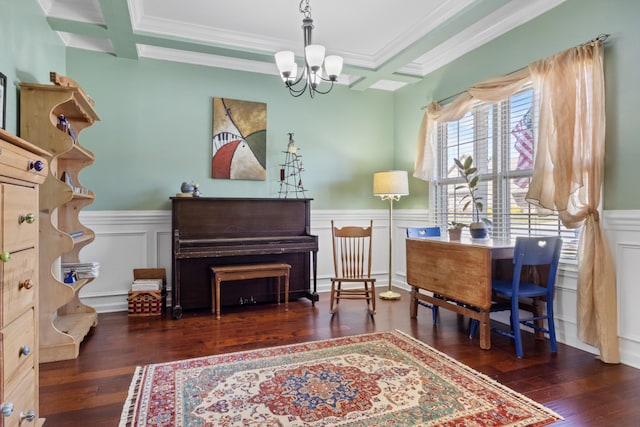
column 231, row 231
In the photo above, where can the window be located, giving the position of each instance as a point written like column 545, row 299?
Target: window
column 500, row 137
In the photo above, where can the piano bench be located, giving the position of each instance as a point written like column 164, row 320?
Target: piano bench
column 245, row 272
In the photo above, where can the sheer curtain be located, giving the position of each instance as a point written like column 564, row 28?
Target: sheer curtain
column 567, row 177
column 568, row 168
column 491, row 90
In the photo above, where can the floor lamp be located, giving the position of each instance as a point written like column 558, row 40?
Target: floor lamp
column 390, row 185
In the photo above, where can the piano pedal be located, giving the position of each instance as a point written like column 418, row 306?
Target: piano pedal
column 250, row 300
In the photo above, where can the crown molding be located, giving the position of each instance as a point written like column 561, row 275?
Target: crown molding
column 508, row 17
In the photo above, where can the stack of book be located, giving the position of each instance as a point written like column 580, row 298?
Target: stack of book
column 84, row 270
column 147, row 294
column 146, row 285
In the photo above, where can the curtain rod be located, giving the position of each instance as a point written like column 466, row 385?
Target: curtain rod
column 600, row 38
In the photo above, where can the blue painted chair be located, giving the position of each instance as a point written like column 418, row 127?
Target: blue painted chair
column 417, row 233
column 529, row 251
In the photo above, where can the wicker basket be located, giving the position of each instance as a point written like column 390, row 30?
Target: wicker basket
column 148, row 303
column 145, row 303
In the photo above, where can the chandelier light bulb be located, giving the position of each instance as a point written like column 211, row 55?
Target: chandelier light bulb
column 292, row 75
column 315, row 79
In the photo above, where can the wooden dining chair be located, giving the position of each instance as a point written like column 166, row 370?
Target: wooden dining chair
column 352, row 265
column 523, row 291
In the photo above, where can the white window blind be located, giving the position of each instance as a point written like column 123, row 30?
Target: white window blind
column 500, row 137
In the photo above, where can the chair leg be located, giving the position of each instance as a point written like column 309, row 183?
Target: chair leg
column 551, row 326
column 373, row 298
column 367, row 295
column 515, row 322
column 332, row 298
column 435, row 310
column 473, row 328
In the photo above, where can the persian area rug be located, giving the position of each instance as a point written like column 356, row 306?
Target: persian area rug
column 378, row 379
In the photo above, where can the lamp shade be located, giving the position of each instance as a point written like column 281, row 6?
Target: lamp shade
column 315, row 56
column 285, row 60
column 390, row 183
column 333, row 66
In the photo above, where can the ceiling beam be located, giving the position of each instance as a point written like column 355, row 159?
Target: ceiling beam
column 118, row 22
column 439, row 35
column 189, row 45
column 77, row 27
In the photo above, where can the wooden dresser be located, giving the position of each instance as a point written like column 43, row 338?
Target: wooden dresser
column 22, row 168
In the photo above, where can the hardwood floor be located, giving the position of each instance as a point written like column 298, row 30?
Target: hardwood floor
column 91, row 390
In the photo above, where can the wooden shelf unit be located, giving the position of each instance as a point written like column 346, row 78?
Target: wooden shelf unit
column 64, row 319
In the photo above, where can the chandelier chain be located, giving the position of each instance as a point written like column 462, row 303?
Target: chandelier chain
column 306, row 11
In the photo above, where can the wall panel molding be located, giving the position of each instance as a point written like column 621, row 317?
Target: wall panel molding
column 132, row 239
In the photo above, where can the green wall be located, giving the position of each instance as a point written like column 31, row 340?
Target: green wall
column 156, row 133
column 28, row 51
column 568, row 25
column 156, row 115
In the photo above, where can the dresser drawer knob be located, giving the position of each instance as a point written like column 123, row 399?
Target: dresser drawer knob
column 25, row 284
column 7, row 409
column 28, row 218
column 5, row 256
column 25, row 350
column 38, row 165
column 30, row 415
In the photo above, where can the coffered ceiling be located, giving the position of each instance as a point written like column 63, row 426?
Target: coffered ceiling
column 385, row 44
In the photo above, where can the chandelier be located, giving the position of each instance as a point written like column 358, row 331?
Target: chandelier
column 312, row 72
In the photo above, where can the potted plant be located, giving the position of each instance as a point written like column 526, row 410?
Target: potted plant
column 455, row 230
column 479, row 227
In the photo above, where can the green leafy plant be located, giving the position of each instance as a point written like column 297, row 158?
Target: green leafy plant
column 455, row 224
column 470, row 174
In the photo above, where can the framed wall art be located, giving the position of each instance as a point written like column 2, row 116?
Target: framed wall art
column 3, row 101
column 239, row 140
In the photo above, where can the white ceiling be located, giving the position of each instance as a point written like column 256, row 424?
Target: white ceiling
column 385, row 44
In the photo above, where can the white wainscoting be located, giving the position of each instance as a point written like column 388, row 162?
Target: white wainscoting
column 135, row 239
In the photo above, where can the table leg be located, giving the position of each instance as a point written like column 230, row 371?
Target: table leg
column 537, row 312
column 413, row 308
column 485, row 330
